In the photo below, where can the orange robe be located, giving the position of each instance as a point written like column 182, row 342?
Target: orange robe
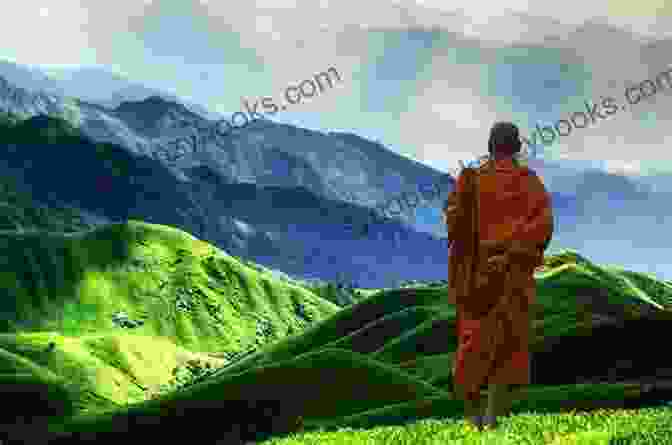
column 500, row 221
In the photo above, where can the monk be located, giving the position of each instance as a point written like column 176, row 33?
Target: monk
column 500, row 221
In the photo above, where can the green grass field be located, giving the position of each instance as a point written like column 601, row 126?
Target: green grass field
column 377, row 371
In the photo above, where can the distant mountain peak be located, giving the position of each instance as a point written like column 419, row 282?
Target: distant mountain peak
column 24, row 103
column 151, row 101
column 153, row 113
column 44, row 120
column 92, row 84
column 353, row 138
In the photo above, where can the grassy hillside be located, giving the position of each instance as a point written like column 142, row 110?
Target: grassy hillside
column 94, row 322
column 188, row 300
column 573, row 296
column 19, row 211
column 384, row 362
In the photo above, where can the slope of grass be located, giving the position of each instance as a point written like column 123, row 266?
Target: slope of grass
column 537, row 399
column 659, row 292
column 319, row 385
column 573, row 272
column 560, row 315
column 562, row 288
column 186, row 289
column 380, row 361
column 19, row 211
column 601, row 427
column 430, row 367
column 373, row 335
column 425, row 348
column 193, row 299
column 27, row 372
column 435, row 336
column 343, row 323
column 121, row 368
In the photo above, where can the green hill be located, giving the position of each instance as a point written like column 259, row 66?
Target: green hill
column 386, row 361
column 18, row 208
column 188, row 300
column 19, row 211
column 95, row 321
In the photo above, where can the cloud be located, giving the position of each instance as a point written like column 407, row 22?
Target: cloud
column 448, row 124
column 459, row 66
column 269, row 26
column 625, row 168
column 41, row 34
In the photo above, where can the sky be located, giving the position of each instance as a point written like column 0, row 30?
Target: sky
column 425, row 79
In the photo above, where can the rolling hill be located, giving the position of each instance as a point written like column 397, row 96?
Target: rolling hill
column 61, row 293
column 101, row 306
column 381, row 361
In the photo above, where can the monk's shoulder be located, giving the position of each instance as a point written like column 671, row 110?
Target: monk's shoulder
column 529, row 172
column 535, row 179
column 482, row 166
column 482, row 162
column 532, row 174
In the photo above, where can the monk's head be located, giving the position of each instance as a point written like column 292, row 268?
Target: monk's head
column 504, row 140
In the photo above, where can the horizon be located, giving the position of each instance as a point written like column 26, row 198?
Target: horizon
column 425, row 80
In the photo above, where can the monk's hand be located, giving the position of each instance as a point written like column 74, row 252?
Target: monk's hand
column 526, row 254
column 520, row 248
column 497, row 263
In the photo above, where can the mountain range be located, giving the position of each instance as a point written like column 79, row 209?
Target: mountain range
column 66, row 152
column 90, row 84
column 292, row 199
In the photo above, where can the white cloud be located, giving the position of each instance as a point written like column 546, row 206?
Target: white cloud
column 60, row 30
column 304, row 19
column 623, row 167
column 299, row 38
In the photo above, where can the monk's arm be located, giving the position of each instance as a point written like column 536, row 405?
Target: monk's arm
column 537, row 232
column 450, row 218
column 450, row 205
column 449, row 210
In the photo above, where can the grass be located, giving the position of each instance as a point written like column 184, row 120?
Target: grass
column 19, row 211
column 65, row 288
column 601, row 427
column 349, row 378
column 376, row 371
